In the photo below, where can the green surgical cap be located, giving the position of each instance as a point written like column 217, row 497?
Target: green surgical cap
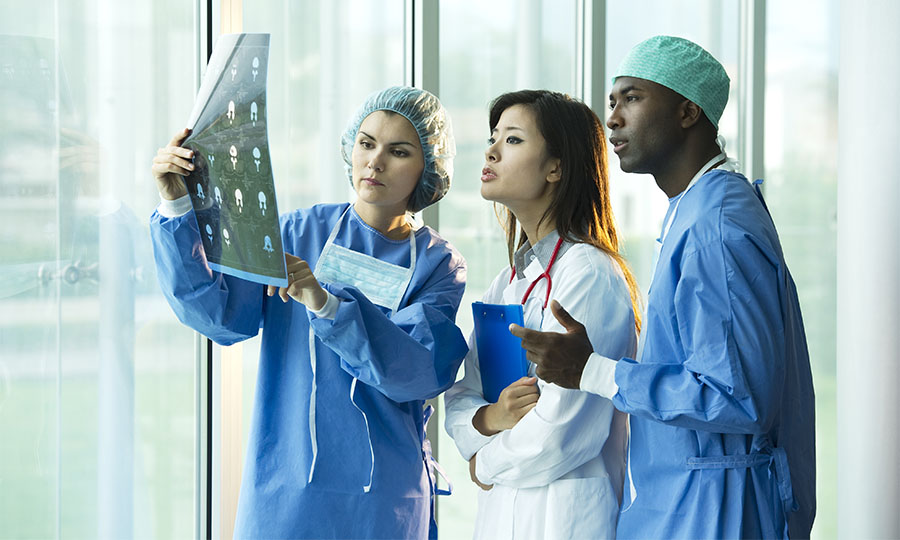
column 682, row 66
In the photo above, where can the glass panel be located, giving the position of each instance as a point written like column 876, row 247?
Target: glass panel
column 324, row 59
column 96, row 375
column 638, row 203
column 509, row 46
column 29, row 298
column 801, row 187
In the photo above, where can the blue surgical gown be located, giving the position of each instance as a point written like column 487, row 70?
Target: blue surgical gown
column 400, row 360
column 722, row 405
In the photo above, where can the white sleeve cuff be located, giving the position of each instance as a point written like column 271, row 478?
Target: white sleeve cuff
column 599, row 376
column 475, row 439
column 482, row 473
column 329, row 310
column 176, row 208
column 468, row 439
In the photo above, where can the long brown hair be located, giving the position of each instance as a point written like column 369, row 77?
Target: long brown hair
column 581, row 204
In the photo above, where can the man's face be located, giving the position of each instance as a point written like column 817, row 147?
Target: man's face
column 644, row 123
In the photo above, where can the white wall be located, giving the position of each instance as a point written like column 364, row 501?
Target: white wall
column 868, row 270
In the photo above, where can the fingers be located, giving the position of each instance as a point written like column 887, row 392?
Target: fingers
column 172, row 160
column 302, row 284
column 179, row 151
column 535, row 343
column 524, row 381
column 179, row 157
column 298, row 271
column 519, row 397
column 525, row 403
column 516, row 407
column 516, row 390
column 300, row 288
column 290, row 266
column 160, row 170
column 179, row 137
column 527, row 408
column 566, row 320
column 526, row 334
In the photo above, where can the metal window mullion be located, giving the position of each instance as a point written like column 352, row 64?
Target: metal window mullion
column 202, row 437
column 752, row 81
column 422, row 70
column 590, row 53
column 422, row 62
column 205, row 11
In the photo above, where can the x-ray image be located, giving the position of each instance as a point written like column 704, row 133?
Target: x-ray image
column 231, row 149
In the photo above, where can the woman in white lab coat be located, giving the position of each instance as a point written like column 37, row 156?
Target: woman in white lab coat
column 550, row 461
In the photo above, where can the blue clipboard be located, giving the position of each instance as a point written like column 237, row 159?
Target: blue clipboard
column 500, row 354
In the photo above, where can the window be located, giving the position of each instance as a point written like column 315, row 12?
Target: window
column 801, row 189
column 97, row 377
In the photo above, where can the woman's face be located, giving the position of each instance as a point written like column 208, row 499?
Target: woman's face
column 387, row 162
column 518, row 170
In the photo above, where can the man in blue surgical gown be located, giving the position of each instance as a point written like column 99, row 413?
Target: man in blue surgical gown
column 720, row 395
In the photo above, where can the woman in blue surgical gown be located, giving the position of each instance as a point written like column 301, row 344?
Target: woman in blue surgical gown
column 351, row 349
column 550, row 460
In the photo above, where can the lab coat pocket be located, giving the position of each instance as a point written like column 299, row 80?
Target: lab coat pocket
column 581, row 508
column 496, row 508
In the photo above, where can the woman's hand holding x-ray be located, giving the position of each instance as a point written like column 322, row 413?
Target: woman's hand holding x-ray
column 171, row 164
column 302, row 285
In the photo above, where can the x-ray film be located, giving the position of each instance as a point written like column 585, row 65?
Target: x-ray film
column 232, row 188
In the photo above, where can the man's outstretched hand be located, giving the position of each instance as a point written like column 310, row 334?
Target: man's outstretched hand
column 560, row 358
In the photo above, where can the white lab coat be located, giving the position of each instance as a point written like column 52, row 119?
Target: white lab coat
column 558, row 473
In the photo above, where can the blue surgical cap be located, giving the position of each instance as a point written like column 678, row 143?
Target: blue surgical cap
column 682, row 66
column 432, row 124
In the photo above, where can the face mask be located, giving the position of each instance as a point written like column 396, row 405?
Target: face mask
column 383, row 283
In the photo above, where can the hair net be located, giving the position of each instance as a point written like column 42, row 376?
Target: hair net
column 431, row 122
column 682, row 66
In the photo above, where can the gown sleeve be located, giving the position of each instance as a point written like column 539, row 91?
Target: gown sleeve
column 727, row 316
column 409, row 355
column 224, row 308
column 567, row 428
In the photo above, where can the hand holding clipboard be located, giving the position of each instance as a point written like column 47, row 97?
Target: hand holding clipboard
column 501, row 358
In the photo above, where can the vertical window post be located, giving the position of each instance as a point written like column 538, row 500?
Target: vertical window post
column 752, row 90
column 590, row 51
column 422, row 70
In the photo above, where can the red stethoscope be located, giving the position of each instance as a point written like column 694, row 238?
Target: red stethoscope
column 544, row 274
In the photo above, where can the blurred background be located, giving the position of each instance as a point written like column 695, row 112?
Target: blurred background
column 118, row 422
